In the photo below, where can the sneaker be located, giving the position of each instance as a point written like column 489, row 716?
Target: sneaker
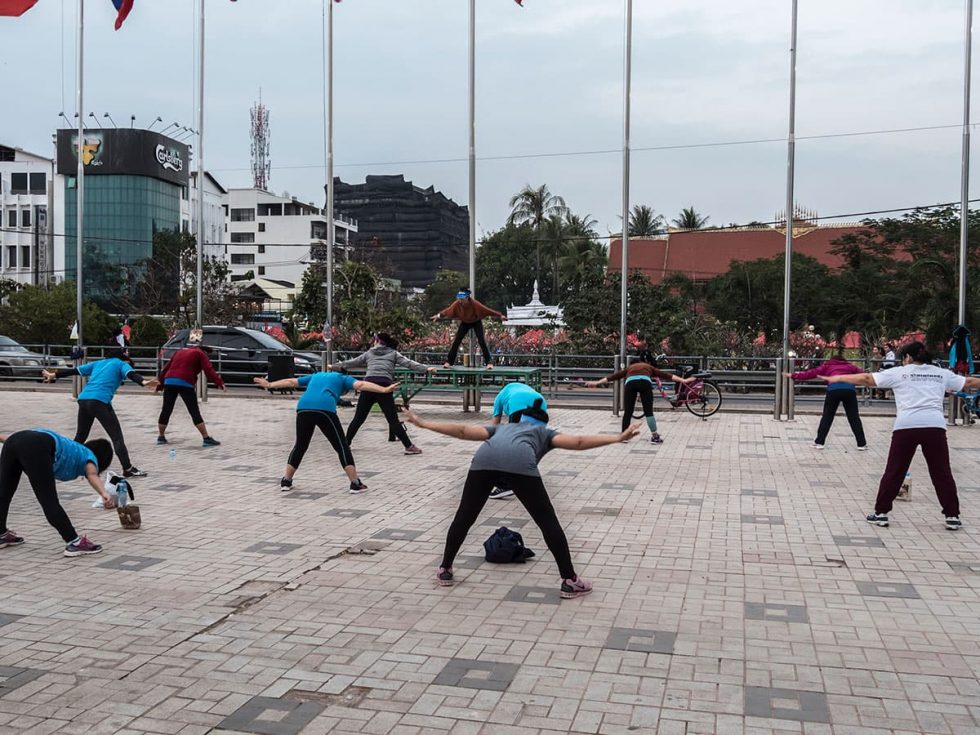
column 444, row 577
column 817, row 446
column 134, row 471
column 413, row 450
column 571, row 588
column 210, row 441
column 656, row 439
column 489, row 366
column 285, row 484
column 446, row 365
column 953, row 523
column 10, row 538
column 500, row 492
column 82, row 547
column 161, row 440
column 357, row 487
column 863, row 448
column 879, row 519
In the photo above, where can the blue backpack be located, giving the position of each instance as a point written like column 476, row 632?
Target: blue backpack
column 506, row 547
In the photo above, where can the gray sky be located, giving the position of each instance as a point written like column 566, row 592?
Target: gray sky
column 549, row 80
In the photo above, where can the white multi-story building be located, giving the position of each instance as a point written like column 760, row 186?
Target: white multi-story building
column 277, row 237
column 215, row 206
column 29, row 222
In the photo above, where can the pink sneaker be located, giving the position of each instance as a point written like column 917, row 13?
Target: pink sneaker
column 10, row 538
column 444, row 577
column 578, row 587
column 413, row 450
column 82, row 547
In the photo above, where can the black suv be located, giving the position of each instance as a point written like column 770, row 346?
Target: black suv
column 241, row 354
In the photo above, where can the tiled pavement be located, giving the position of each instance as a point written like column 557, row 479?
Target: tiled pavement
column 738, row 590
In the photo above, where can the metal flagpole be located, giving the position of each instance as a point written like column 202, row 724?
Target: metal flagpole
column 200, row 169
column 80, row 174
column 328, row 332
column 624, row 270
column 790, row 183
column 965, row 165
column 472, row 162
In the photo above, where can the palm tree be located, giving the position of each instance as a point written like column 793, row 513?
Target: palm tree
column 644, row 222
column 582, row 258
column 532, row 206
column 689, row 219
column 557, row 234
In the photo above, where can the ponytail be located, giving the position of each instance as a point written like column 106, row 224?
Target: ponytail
column 917, row 352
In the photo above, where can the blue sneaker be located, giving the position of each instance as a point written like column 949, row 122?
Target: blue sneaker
column 210, row 441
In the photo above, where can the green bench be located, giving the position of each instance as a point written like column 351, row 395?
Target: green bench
column 468, row 381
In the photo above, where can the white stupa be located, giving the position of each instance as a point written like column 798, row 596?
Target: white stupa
column 535, row 314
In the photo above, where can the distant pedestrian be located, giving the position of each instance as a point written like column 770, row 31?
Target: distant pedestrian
column 471, row 314
column 920, row 389
column 837, row 394
column 178, row 380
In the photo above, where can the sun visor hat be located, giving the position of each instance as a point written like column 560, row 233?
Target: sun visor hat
column 195, row 337
column 462, row 294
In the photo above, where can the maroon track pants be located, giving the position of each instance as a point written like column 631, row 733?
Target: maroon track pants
column 936, row 451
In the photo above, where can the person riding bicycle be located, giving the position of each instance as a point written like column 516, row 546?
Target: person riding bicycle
column 639, row 382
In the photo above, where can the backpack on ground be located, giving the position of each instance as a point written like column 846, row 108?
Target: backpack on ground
column 506, row 547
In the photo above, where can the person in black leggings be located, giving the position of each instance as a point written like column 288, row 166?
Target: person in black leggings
column 44, row 457
column 510, row 455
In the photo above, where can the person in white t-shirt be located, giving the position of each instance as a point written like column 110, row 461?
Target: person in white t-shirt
column 920, row 389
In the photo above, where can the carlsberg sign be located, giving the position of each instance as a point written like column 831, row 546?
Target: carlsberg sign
column 169, row 159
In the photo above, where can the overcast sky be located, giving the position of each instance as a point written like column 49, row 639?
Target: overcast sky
column 549, row 81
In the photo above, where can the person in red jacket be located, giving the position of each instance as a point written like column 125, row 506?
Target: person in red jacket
column 178, row 378
column 837, row 393
column 471, row 314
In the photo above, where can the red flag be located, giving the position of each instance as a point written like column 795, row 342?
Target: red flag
column 122, row 10
column 15, row 7
column 520, row 2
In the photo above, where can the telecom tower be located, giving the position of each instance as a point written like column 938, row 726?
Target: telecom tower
column 261, row 164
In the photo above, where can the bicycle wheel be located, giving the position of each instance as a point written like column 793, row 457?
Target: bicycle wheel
column 707, row 401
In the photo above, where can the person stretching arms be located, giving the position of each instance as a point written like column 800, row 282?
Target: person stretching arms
column 510, row 454
column 177, row 380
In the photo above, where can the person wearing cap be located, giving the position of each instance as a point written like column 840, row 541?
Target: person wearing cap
column 471, row 314
column 177, row 380
column 509, row 456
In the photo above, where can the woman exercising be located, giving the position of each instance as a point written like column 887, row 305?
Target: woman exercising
column 509, row 455
column 381, row 361
column 317, row 409
column 44, row 457
column 837, row 394
column 178, row 378
column 471, row 314
column 639, row 382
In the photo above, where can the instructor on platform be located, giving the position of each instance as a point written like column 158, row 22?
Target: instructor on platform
column 471, row 314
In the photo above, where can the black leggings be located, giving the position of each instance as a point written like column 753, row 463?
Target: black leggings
column 387, row 402
column 89, row 411
column 32, row 453
column 328, row 423
column 188, row 395
column 531, row 492
column 634, row 388
column 465, row 327
column 830, row 403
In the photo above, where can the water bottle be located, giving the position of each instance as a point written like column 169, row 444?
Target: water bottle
column 122, row 494
column 173, row 454
column 905, row 492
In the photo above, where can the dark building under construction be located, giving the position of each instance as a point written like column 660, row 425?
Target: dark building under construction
column 411, row 232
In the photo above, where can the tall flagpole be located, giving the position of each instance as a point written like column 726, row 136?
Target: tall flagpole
column 965, row 165
column 790, row 185
column 200, row 169
column 80, row 174
column 624, row 269
column 328, row 333
column 472, row 159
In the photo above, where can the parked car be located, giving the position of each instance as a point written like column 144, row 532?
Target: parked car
column 16, row 361
column 240, row 354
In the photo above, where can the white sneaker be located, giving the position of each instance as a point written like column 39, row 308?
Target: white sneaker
column 817, row 446
column 863, row 449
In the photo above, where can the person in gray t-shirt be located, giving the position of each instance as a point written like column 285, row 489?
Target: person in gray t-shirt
column 509, row 457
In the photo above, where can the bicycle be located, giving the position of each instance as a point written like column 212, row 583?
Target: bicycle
column 702, row 397
column 970, row 408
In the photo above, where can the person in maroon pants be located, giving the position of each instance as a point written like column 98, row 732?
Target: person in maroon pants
column 920, row 389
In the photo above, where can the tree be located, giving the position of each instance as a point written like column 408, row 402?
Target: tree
column 583, row 261
column 442, row 291
column 310, row 304
column 644, row 222
column 505, row 267
column 533, row 206
column 44, row 315
column 689, row 219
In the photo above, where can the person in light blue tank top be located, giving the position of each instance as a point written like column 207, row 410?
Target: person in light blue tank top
column 46, row 456
column 513, row 399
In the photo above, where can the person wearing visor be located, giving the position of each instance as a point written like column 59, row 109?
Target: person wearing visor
column 177, row 380
column 509, row 457
column 471, row 314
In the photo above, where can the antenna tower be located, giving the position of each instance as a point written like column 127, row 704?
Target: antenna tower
column 259, row 132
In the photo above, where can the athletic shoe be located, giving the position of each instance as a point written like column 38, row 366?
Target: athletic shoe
column 10, row 538
column 82, row 547
column 134, row 472
column 357, row 487
column 444, row 577
column 413, row 450
column 210, row 441
column 879, row 519
column 656, row 439
column 953, row 523
column 489, row 366
column 863, row 448
column 161, row 440
column 817, row 446
column 446, row 365
column 571, row 588
column 285, row 484
column 500, row 492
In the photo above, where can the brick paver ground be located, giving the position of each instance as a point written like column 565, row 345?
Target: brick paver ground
column 738, row 589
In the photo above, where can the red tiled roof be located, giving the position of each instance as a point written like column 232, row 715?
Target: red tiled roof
column 704, row 254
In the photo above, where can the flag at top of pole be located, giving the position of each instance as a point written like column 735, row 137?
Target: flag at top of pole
column 122, row 11
column 14, row 8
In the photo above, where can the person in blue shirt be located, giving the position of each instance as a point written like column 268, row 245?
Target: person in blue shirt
column 44, row 457
column 95, row 400
column 317, row 409
column 513, row 399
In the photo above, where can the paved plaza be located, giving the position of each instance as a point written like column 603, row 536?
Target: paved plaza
column 737, row 588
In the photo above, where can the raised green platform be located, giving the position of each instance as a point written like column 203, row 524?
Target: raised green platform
column 468, row 381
